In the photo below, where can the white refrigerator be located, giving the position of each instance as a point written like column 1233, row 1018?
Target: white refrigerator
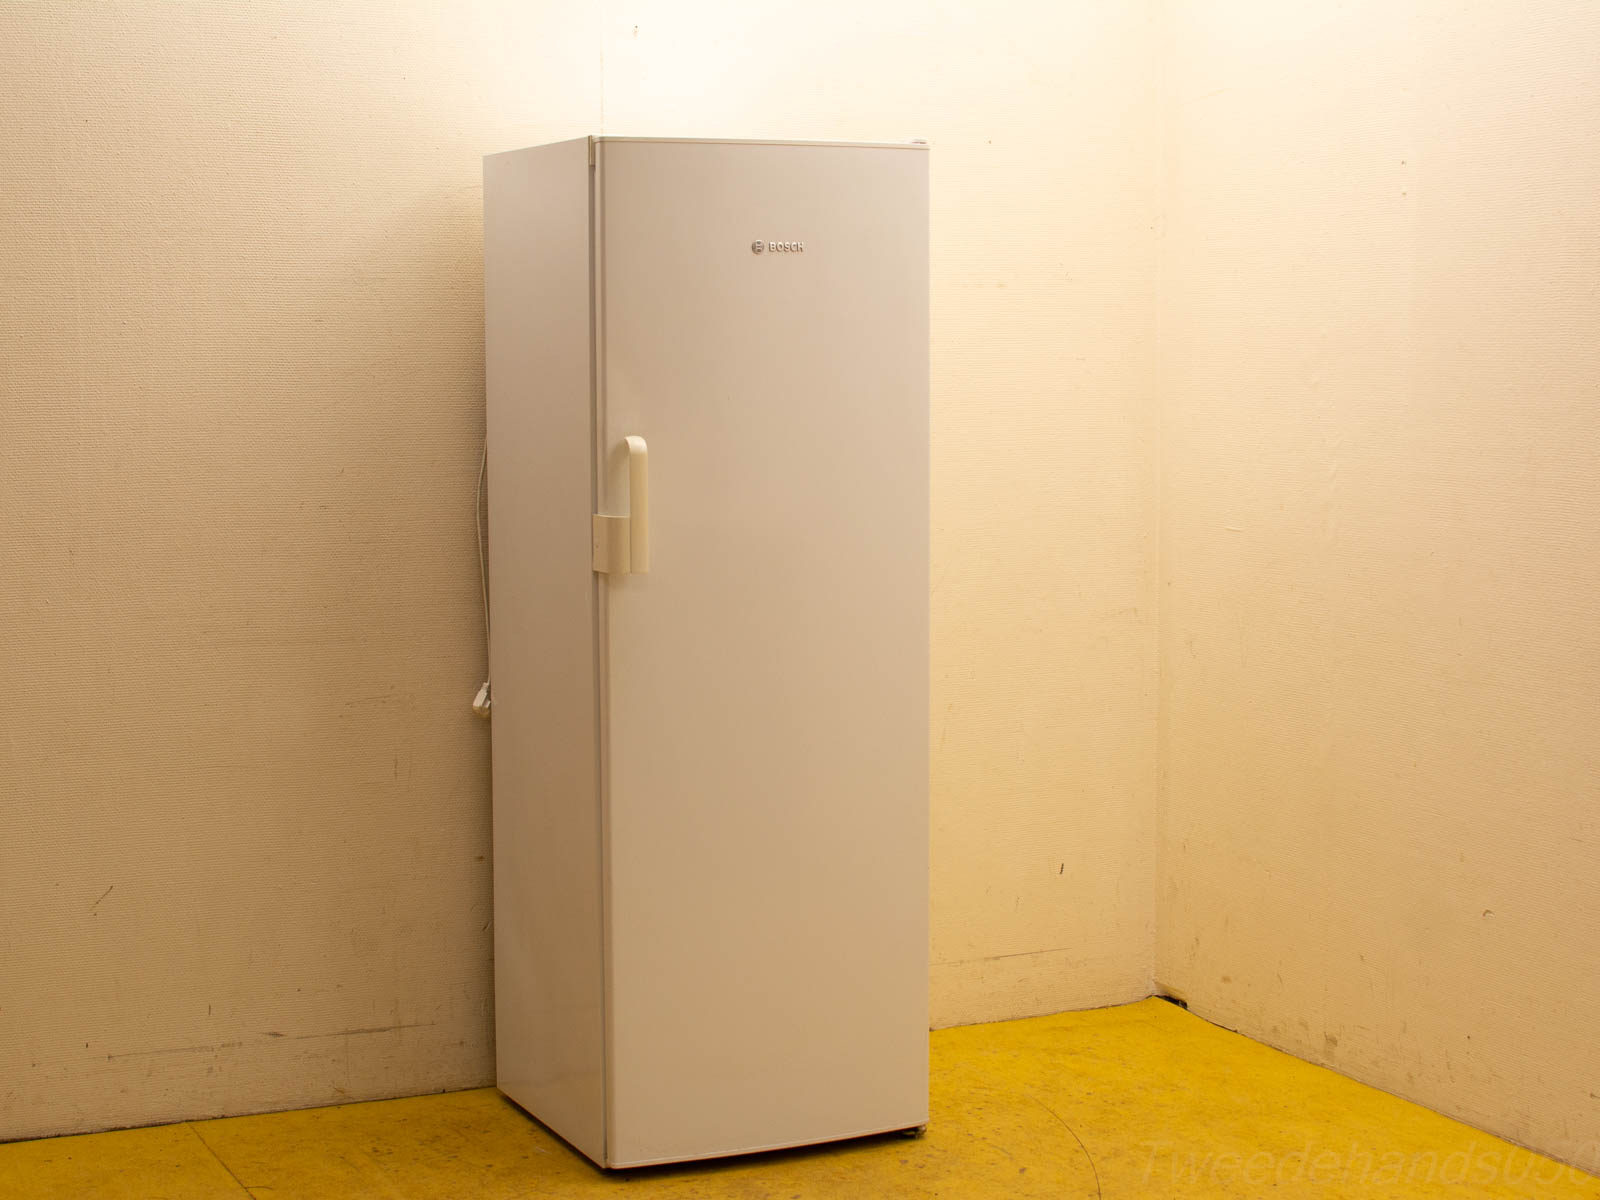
column 707, row 370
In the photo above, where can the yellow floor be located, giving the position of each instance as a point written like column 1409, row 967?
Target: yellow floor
column 1140, row 1101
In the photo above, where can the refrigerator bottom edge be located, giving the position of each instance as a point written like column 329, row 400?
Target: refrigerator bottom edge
column 917, row 1124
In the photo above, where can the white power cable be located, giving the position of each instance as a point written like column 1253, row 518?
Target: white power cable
column 477, row 514
column 481, row 702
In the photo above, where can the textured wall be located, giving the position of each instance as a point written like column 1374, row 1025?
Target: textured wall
column 245, row 807
column 1381, row 547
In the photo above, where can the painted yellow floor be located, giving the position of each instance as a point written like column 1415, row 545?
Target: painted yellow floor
column 1140, row 1101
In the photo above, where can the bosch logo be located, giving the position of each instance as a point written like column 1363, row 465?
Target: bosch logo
column 758, row 246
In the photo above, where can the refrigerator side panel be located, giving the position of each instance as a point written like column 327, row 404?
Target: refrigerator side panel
column 767, row 680
column 549, row 980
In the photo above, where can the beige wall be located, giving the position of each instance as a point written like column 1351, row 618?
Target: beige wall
column 244, row 805
column 245, row 809
column 1381, row 546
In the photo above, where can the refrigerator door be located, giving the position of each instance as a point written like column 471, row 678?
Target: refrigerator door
column 764, row 327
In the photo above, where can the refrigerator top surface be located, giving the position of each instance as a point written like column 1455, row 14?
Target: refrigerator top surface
column 908, row 145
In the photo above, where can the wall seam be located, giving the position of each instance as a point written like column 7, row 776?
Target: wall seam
column 1165, row 149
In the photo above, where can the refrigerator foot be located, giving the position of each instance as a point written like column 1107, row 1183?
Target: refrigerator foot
column 915, row 1131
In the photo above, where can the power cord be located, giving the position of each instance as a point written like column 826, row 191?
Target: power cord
column 482, row 702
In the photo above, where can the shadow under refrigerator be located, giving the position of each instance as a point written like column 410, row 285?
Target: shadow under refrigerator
column 707, row 368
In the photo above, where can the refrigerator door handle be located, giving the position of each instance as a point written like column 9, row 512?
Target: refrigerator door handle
column 638, row 506
column 622, row 542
